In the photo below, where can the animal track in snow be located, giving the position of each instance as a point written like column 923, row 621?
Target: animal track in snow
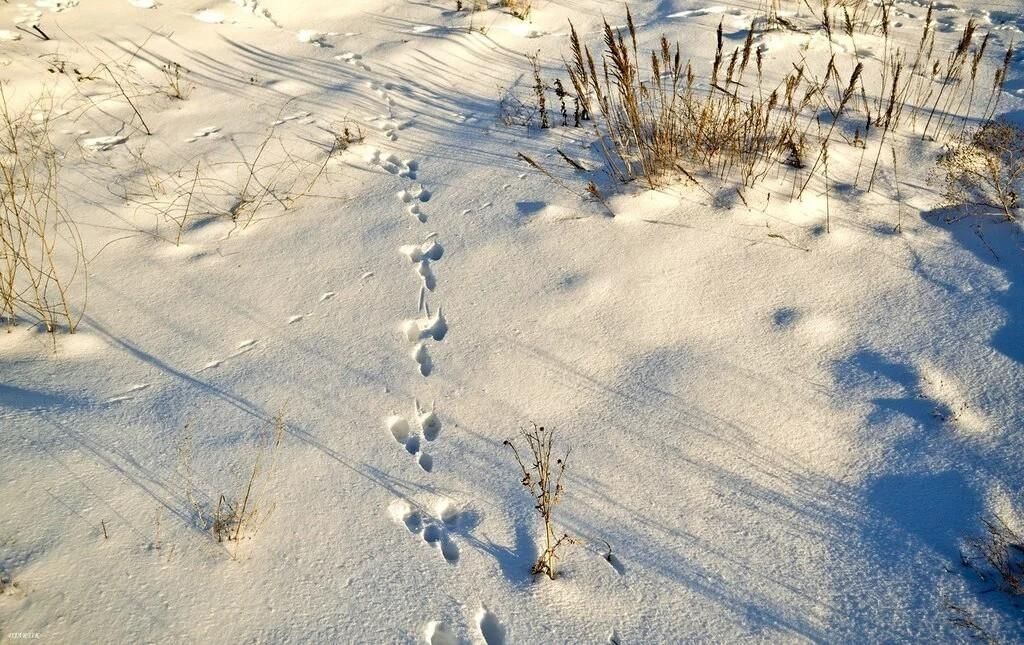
column 244, row 347
column 56, row 5
column 429, row 422
column 415, row 193
column 389, row 125
column 491, row 629
column 421, row 255
column 313, row 37
column 399, row 429
column 394, row 165
column 324, row 297
column 431, row 530
column 950, row 398
column 422, row 358
column 435, row 327
column 430, row 427
column 209, row 16
column 212, row 132
column 437, row 536
column 354, row 59
column 290, row 117
column 439, row 633
column 402, row 513
column 103, row 143
column 255, row 9
column 382, row 92
column 126, row 395
column 415, row 211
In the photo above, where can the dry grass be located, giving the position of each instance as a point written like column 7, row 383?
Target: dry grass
column 236, row 515
column 657, row 120
column 518, row 8
column 998, row 557
column 652, row 129
column 41, row 252
column 986, row 170
column 176, row 85
column 261, row 178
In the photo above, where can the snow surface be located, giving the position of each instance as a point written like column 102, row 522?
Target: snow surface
column 784, row 434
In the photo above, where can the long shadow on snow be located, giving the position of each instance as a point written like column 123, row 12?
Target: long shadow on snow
column 818, row 505
column 921, row 508
column 999, row 244
column 172, row 497
column 16, row 398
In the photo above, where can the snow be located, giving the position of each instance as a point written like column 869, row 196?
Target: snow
column 783, row 433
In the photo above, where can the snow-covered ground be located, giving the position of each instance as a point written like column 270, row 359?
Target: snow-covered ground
column 783, row 433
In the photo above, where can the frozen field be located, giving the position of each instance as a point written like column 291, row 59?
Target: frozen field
column 324, row 259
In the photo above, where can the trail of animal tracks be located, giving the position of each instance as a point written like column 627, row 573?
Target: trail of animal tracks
column 782, row 430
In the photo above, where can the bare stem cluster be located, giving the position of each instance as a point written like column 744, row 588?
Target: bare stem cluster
column 544, row 481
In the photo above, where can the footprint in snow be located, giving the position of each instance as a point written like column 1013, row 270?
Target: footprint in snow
column 290, row 117
column 421, row 256
column 439, row 633
column 390, row 126
column 437, row 536
column 211, row 132
column 244, row 347
column 356, row 60
column 429, row 422
column 400, row 430
column 414, row 196
column 421, row 355
column 491, row 629
column 394, row 165
column 209, row 16
column 416, row 212
column 56, row 5
column 103, row 143
column 435, row 327
column 415, row 193
column 126, row 395
column 430, row 529
column 313, row 37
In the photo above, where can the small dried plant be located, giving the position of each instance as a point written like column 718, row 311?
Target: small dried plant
column 273, row 174
column 987, row 169
column 175, row 84
column 234, row 518
column 544, row 481
column 966, row 620
column 41, row 252
column 539, row 88
column 518, row 8
column 998, row 557
column 5, row 581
